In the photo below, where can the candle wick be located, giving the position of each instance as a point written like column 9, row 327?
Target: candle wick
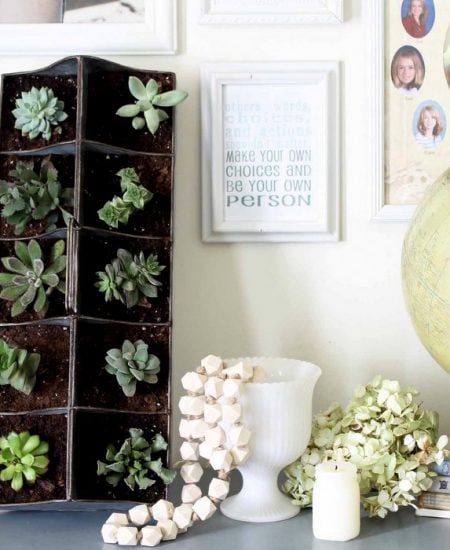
column 335, row 467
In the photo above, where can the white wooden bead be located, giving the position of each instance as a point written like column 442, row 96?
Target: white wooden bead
column 190, row 493
column 109, row 533
column 162, row 510
column 139, row 515
column 218, row 488
column 127, row 536
column 117, row 519
column 205, row 450
column 192, row 406
column 239, row 435
column 193, row 382
column 240, row 454
column 198, row 428
column 214, row 387
column 184, row 428
column 212, row 364
column 242, row 370
column 232, row 387
column 183, row 516
column 231, row 413
column 168, row 528
column 204, row 508
column 212, row 413
column 189, row 450
column 215, row 437
column 151, row 535
column 191, row 472
column 221, row 459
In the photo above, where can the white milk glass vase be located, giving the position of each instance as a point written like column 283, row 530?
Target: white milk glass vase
column 278, row 412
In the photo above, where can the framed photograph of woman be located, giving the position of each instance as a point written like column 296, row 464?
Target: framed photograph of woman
column 410, row 102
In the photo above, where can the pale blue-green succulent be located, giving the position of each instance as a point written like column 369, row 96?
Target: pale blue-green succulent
column 147, row 102
column 18, row 367
column 38, row 112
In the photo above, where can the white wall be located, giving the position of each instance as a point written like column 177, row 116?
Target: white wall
column 337, row 305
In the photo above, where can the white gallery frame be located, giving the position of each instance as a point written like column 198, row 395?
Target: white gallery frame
column 317, row 78
column 380, row 211
column 249, row 12
column 156, row 36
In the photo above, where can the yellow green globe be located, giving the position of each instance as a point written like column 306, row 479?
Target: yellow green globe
column 426, row 270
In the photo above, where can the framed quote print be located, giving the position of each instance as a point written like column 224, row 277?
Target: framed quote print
column 411, row 102
column 270, row 151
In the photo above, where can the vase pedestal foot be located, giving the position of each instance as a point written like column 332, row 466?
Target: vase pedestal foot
column 254, row 510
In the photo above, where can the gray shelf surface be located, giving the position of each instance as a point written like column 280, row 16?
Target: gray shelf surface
column 44, row 530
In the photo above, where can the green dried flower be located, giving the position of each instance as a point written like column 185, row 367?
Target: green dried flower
column 28, row 281
column 132, row 364
column 22, row 457
column 147, row 98
column 37, row 111
column 135, row 197
column 386, row 434
column 134, row 462
column 34, row 196
column 18, row 367
column 130, row 279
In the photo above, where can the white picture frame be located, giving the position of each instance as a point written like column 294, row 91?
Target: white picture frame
column 380, row 211
column 250, row 12
column 157, row 36
column 294, row 193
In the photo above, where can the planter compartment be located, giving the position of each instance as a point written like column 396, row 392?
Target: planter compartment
column 93, row 432
column 51, row 390
column 52, row 485
column 94, row 387
column 62, row 78
column 64, row 162
column 99, row 184
column 96, row 250
column 107, row 90
column 56, row 300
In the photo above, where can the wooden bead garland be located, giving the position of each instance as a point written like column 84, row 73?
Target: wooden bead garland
column 212, row 398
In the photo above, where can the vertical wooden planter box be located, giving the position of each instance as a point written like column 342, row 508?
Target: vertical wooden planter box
column 76, row 406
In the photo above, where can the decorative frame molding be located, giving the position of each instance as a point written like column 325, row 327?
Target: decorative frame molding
column 157, row 36
column 380, row 211
column 308, row 12
column 315, row 217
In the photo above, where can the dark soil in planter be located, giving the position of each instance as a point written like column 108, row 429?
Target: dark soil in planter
column 100, row 184
column 107, row 91
column 52, row 485
column 93, row 432
column 56, row 299
column 95, row 252
column 65, row 164
column 94, row 387
column 52, row 342
column 65, row 88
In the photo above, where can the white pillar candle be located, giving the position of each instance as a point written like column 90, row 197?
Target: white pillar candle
column 336, row 502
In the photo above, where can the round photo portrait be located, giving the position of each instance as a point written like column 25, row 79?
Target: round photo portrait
column 418, row 17
column 429, row 124
column 407, row 70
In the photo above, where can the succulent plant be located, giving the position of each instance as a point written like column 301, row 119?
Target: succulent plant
column 34, row 195
column 135, row 197
column 28, row 281
column 22, row 457
column 147, row 98
column 131, row 364
column 134, row 461
column 130, row 279
column 37, row 111
column 386, row 434
column 18, row 367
